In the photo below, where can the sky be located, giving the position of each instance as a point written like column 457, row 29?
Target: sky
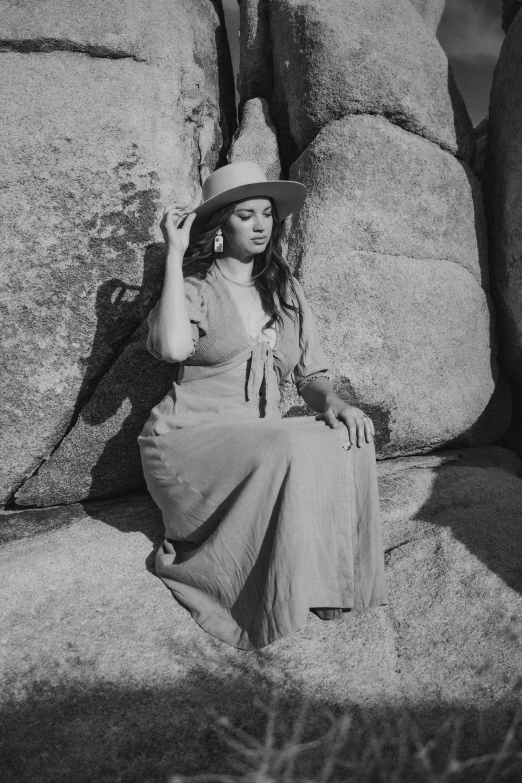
column 470, row 33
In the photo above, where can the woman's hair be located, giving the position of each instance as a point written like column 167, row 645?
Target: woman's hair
column 272, row 277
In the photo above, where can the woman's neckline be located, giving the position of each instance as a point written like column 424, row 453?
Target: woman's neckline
column 230, row 280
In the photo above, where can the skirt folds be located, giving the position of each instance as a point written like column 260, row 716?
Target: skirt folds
column 265, row 519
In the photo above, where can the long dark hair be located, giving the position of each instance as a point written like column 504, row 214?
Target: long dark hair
column 270, row 273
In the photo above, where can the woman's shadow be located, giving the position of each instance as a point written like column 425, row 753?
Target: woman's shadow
column 115, row 402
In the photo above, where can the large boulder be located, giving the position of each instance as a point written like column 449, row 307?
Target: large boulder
column 109, row 111
column 100, row 456
column 502, row 184
column 388, row 251
column 452, row 540
column 256, row 139
column 503, row 196
column 344, row 57
column 375, row 187
column 93, row 645
column 391, row 243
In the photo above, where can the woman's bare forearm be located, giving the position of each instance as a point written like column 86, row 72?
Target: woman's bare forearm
column 318, row 394
column 321, row 397
column 171, row 330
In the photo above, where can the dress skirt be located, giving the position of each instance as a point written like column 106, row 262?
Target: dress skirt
column 265, row 518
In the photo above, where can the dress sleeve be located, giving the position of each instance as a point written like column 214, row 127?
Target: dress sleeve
column 313, row 362
column 197, row 312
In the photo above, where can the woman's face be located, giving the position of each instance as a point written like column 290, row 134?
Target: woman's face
column 247, row 230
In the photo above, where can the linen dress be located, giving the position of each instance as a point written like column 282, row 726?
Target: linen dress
column 265, row 517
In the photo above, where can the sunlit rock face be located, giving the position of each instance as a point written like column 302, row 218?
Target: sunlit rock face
column 110, row 110
column 256, row 139
column 448, row 643
column 387, row 249
column 503, row 198
column 336, row 58
column 100, row 455
column 390, row 245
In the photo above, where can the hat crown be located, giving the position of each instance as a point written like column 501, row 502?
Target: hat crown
column 233, row 175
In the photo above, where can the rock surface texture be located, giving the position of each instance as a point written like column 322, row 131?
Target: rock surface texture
column 343, row 57
column 109, row 111
column 503, row 197
column 102, row 670
column 431, row 11
column 391, row 244
column 256, row 139
column 99, row 456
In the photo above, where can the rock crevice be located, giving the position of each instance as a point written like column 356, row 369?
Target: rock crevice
column 47, row 45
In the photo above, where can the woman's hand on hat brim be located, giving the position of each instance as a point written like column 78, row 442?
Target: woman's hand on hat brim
column 176, row 238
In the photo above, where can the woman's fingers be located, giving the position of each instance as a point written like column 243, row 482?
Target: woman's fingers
column 351, row 426
column 369, row 429
column 360, row 427
column 331, row 419
column 174, row 213
column 176, row 207
column 361, row 432
column 189, row 220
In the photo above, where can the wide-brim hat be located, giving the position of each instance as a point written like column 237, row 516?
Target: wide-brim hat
column 243, row 180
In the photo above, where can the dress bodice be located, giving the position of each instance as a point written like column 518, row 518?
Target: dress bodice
column 228, row 373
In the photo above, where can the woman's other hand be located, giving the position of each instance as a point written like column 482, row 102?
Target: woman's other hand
column 320, row 396
column 359, row 425
column 176, row 239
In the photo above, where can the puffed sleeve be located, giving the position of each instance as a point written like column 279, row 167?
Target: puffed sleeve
column 313, row 362
column 197, row 312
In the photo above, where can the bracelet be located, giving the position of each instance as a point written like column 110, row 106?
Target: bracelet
column 302, row 384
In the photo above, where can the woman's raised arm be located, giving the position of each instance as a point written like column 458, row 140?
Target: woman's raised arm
column 170, row 329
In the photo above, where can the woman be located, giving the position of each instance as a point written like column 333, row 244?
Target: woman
column 265, row 517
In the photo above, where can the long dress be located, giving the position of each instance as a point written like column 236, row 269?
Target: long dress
column 265, row 517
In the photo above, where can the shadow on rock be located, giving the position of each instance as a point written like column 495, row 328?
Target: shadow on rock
column 120, row 308
column 476, row 493
column 99, row 457
column 131, row 514
column 231, row 725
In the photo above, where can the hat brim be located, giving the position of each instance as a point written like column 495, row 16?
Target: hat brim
column 287, row 195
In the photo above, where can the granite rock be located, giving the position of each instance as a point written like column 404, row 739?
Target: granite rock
column 378, row 188
column 503, row 193
column 387, row 249
column 95, row 646
column 431, row 11
column 256, row 139
column 352, row 57
column 100, row 456
column 109, row 111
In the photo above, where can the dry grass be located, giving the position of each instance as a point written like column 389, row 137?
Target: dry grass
column 366, row 748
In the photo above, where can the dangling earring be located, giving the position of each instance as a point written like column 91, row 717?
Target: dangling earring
column 218, row 242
